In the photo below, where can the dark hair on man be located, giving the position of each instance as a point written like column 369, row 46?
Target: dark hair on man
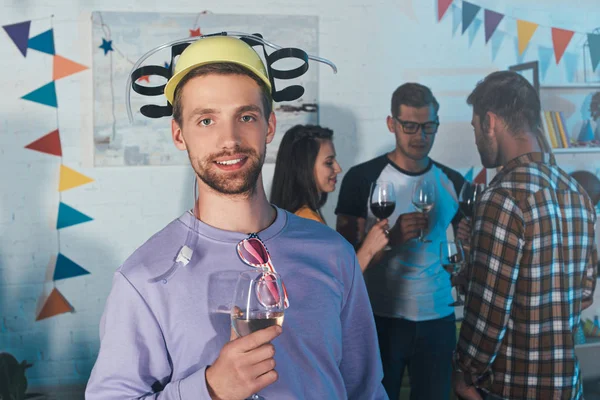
column 224, row 68
column 294, row 184
column 413, row 95
column 511, row 97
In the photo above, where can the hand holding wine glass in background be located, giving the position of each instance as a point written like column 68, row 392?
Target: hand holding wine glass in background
column 452, row 258
column 423, row 198
column 382, row 201
column 469, row 194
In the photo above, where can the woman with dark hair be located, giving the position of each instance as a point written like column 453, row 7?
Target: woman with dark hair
column 305, row 171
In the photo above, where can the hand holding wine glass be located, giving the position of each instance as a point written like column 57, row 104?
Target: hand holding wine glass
column 382, row 201
column 469, row 194
column 423, row 198
column 246, row 364
column 452, row 258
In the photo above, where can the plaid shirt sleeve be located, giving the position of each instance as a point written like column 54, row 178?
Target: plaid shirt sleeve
column 496, row 250
column 591, row 272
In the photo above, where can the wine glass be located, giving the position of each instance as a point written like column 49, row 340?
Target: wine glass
column 452, row 258
column 423, row 198
column 383, row 201
column 469, row 194
column 257, row 304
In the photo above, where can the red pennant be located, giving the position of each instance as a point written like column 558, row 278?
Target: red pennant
column 560, row 40
column 195, row 32
column 54, row 305
column 443, row 6
column 49, row 144
column 481, row 177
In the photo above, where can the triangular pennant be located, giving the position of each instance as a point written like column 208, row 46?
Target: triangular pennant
column 473, row 29
column 19, row 33
column 54, row 305
column 496, row 43
column 491, row 20
column 443, row 7
column 49, row 144
column 469, row 11
column 481, row 177
column 64, row 67
column 44, row 95
column 560, row 40
column 43, row 42
column 586, row 134
column 70, row 179
column 525, row 31
column 66, row 268
column 469, row 175
column 594, row 44
column 456, row 18
column 68, row 216
column 545, row 59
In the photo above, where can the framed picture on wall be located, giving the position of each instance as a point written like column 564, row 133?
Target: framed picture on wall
column 531, row 72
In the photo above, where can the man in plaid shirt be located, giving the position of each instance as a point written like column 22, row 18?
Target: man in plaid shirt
column 533, row 257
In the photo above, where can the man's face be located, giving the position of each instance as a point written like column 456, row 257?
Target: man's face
column 486, row 143
column 414, row 146
column 224, row 131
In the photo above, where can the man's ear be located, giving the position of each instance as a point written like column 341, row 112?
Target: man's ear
column 390, row 124
column 490, row 123
column 271, row 126
column 177, row 134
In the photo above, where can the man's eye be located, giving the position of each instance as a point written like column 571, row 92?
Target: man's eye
column 206, row 121
column 248, row 118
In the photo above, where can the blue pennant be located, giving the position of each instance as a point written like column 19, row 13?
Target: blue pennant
column 44, row 95
column 66, row 268
column 43, row 42
column 68, row 216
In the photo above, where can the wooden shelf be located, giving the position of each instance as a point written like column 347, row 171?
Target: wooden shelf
column 591, row 86
column 576, row 150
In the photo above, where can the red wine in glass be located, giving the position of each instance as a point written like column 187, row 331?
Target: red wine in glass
column 383, row 209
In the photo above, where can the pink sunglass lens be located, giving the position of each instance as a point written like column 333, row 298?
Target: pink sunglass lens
column 254, row 252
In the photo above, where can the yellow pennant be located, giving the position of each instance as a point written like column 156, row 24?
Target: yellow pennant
column 525, row 31
column 70, row 179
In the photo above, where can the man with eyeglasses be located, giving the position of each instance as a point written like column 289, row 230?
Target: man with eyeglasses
column 409, row 290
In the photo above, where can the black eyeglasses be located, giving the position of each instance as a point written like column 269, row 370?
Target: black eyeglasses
column 410, row 127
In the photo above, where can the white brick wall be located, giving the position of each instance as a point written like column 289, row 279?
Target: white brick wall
column 377, row 45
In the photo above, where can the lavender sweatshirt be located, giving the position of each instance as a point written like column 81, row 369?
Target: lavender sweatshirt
column 165, row 322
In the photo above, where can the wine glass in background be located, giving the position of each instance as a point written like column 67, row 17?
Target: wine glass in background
column 382, row 201
column 423, row 198
column 257, row 304
column 452, row 258
column 469, row 194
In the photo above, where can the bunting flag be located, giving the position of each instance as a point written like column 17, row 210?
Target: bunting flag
column 43, row 42
column 70, row 179
column 45, row 95
column 456, row 18
column 49, row 144
column 443, row 7
column 594, row 44
column 62, row 67
column 19, row 34
column 54, row 305
column 195, row 32
column 66, row 268
column 469, row 175
column 525, row 31
column 491, row 20
column 68, row 216
column 481, row 177
column 469, row 11
column 560, row 41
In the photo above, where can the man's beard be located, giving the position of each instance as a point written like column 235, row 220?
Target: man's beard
column 238, row 183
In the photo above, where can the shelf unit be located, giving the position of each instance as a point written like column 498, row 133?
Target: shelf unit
column 570, row 99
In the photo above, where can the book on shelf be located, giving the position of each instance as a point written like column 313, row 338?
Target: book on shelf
column 555, row 128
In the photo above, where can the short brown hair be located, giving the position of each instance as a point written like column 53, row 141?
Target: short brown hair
column 220, row 69
column 413, row 95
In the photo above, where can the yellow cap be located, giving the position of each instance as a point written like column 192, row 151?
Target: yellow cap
column 216, row 49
